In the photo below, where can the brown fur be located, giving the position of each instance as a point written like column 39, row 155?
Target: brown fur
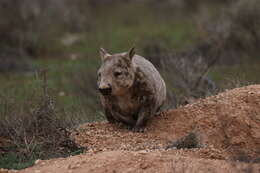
column 138, row 91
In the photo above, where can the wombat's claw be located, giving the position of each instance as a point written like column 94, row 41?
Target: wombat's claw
column 138, row 129
column 129, row 127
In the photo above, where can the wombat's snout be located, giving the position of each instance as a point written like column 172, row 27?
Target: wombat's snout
column 105, row 90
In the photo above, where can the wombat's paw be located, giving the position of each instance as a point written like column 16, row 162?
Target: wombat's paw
column 138, row 129
column 129, row 127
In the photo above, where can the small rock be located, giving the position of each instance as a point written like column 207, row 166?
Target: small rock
column 37, row 161
column 144, row 165
column 74, row 166
column 143, row 152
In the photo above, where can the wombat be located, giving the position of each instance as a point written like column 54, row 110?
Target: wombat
column 131, row 88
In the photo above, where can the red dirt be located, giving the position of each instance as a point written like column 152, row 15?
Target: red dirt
column 228, row 126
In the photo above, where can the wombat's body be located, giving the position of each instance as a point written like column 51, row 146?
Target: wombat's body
column 137, row 89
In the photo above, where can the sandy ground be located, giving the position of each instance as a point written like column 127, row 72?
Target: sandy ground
column 227, row 126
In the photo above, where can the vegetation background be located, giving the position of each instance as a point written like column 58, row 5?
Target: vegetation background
column 49, row 58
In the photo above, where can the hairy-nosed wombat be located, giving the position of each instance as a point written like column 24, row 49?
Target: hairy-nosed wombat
column 132, row 90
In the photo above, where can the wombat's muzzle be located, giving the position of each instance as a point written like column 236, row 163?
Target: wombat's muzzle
column 105, row 91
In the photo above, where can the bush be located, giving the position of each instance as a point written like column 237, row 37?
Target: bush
column 245, row 26
column 191, row 140
column 186, row 72
column 233, row 29
column 36, row 129
column 31, row 25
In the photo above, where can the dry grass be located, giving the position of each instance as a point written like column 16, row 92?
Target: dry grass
column 35, row 129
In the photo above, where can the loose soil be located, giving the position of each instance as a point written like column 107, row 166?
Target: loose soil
column 227, row 127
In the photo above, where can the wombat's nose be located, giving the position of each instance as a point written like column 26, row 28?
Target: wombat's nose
column 105, row 91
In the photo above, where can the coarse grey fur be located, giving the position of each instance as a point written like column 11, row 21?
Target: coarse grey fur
column 132, row 89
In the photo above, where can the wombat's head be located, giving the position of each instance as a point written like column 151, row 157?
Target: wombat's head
column 116, row 74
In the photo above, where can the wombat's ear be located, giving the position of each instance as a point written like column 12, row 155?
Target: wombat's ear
column 131, row 53
column 103, row 54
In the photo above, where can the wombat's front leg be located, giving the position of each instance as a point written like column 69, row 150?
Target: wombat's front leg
column 125, row 119
column 143, row 116
column 109, row 116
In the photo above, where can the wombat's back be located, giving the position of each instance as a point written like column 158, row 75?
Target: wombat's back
column 153, row 77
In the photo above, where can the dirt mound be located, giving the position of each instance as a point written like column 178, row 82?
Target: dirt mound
column 227, row 122
column 227, row 127
column 136, row 162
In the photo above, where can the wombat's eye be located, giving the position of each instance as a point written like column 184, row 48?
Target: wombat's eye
column 117, row 74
